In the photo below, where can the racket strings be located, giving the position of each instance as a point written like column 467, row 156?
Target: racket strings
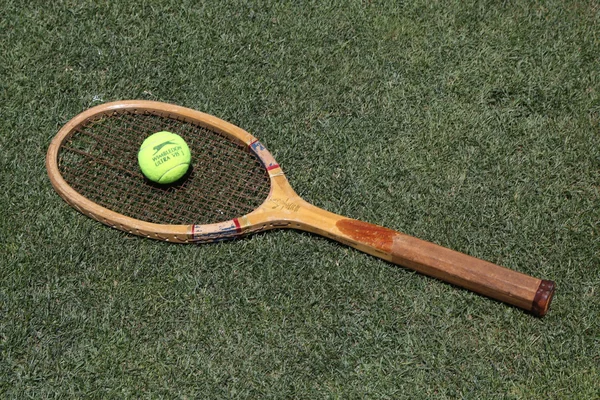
column 99, row 161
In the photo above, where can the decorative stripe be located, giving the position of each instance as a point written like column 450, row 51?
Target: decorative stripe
column 263, row 154
column 218, row 231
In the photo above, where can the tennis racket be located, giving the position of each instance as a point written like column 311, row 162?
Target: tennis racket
column 234, row 188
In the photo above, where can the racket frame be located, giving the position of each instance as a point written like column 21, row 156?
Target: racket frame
column 283, row 208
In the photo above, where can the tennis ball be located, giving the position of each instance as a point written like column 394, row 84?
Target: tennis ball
column 164, row 157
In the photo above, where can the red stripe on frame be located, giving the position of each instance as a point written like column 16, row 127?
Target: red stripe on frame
column 270, row 167
column 238, row 227
column 251, row 143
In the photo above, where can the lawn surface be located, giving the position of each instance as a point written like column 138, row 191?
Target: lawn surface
column 472, row 124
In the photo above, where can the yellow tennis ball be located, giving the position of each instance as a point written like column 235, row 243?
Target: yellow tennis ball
column 164, row 157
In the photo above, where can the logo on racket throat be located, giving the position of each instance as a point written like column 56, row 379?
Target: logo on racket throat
column 284, row 204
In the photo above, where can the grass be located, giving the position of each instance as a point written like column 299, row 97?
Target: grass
column 473, row 124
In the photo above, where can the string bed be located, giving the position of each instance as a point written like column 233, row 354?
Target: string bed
column 99, row 160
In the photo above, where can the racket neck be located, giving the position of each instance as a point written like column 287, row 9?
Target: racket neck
column 333, row 226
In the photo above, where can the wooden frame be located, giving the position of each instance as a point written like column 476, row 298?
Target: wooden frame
column 283, row 208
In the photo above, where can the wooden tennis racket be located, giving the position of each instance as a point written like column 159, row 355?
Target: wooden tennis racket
column 235, row 187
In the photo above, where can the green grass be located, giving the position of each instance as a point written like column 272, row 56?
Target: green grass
column 473, row 124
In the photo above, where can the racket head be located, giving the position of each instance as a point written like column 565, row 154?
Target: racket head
column 92, row 164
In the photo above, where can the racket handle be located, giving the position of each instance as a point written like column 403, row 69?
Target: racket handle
column 512, row 287
column 531, row 294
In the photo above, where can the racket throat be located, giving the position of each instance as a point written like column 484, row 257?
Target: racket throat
column 296, row 213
